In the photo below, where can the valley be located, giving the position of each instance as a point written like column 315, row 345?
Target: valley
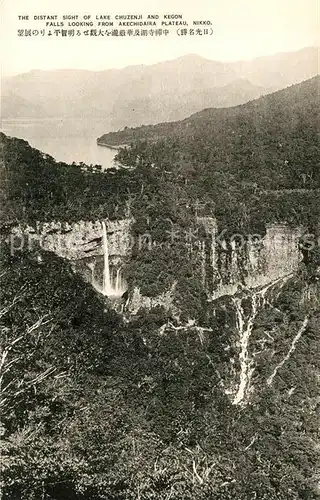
column 160, row 317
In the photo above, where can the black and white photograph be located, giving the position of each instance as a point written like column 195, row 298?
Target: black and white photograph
column 160, row 250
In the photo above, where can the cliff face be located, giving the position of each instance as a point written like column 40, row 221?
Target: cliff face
column 246, row 262
column 82, row 244
column 79, row 240
column 243, row 277
column 225, row 264
column 255, row 262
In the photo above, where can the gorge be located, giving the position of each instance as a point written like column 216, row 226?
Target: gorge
column 160, row 323
column 100, row 251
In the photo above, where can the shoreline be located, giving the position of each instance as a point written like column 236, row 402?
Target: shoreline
column 110, row 146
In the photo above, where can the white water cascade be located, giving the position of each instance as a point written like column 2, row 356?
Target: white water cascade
column 118, row 288
column 107, row 286
column 245, row 323
column 291, row 350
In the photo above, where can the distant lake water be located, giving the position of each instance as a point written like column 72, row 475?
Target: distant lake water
column 67, row 140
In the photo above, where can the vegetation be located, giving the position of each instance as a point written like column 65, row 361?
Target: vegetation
column 94, row 407
column 271, row 142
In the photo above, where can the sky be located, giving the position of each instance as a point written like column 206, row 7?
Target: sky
column 242, row 30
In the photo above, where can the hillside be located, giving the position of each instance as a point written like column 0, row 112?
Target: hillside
column 96, row 408
column 101, row 405
column 139, row 95
column 272, row 141
column 270, row 144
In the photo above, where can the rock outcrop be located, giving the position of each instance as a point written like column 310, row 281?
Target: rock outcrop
column 246, row 261
column 225, row 264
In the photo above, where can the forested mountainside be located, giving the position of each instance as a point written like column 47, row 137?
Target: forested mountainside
column 258, row 175
column 271, row 144
column 272, row 141
column 213, row 399
column 95, row 408
column 136, row 95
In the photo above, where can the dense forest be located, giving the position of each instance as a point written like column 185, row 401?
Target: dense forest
column 96, row 406
column 93, row 407
column 246, row 166
column 260, row 151
column 271, row 142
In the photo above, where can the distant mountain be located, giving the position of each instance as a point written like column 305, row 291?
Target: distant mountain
column 169, row 90
column 236, row 92
column 283, row 69
column 174, row 105
column 294, row 96
column 13, row 106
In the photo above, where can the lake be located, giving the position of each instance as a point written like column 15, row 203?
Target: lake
column 67, row 140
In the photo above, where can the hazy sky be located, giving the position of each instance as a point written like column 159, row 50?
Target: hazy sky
column 243, row 29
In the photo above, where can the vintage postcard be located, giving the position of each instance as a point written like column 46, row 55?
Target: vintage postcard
column 160, row 250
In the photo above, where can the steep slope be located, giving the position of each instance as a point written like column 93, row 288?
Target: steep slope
column 224, row 407
column 96, row 408
column 272, row 141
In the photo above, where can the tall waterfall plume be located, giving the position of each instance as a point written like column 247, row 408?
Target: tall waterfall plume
column 106, row 284
column 110, row 287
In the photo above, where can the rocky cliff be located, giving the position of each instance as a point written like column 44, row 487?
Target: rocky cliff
column 226, row 264
column 82, row 244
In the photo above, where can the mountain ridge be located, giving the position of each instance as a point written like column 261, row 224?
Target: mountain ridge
column 151, row 132
column 182, row 57
column 137, row 95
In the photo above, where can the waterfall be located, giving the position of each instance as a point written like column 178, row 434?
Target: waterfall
column 106, row 287
column 111, row 287
column 245, row 329
column 118, row 287
column 291, row 350
column 203, row 262
column 245, row 323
